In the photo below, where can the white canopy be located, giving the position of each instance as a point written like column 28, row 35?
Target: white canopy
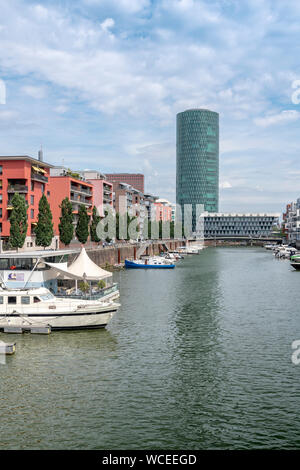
column 82, row 268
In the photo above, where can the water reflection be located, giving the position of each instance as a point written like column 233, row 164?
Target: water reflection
column 198, row 357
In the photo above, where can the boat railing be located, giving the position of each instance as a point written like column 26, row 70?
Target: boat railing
column 98, row 294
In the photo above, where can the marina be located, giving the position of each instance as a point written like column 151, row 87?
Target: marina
column 202, row 363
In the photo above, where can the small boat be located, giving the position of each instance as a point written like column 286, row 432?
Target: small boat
column 271, row 246
column 148, row 264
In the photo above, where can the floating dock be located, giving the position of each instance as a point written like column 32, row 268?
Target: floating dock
column 38, row 330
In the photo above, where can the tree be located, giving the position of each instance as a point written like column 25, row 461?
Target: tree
column 66, row 227
column 82, row 227
column 18, row 221
column 44, row 228
column 93, row 228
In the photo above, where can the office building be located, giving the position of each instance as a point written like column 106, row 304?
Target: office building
column 197, row 161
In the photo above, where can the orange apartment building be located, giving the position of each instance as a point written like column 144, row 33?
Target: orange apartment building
column 65, row 183
column 30, row 178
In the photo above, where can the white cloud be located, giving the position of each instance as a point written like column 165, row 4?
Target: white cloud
column 34, row 91
column 126, row 6
column 61, row 109
column 225, row 185
column 107, row 24
column 279, row 118
column 8, row 115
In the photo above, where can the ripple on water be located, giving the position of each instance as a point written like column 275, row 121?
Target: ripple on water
column 196, row 358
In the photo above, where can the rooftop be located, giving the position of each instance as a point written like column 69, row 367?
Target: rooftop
column 27, row 158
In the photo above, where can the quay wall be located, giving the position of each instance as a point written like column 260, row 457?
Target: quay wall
column 116, row 254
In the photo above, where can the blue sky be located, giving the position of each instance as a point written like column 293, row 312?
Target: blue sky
column 99, row 83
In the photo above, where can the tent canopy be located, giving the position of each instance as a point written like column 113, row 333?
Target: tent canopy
column 82, row 268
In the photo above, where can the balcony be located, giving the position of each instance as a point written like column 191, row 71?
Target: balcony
column 38, row 177
column 17, row 188
column 80, row 200
column 81, row 190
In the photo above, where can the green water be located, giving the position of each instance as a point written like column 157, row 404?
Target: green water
column 197, row 358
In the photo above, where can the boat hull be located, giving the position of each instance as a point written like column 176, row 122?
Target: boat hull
column 132, row 265
column 296, row 266
column 58, row 321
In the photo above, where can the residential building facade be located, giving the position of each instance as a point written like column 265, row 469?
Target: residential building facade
column 291, row 222
column 30, row 178
column 103, row 189
column 65, row 183
column 136, row 180
column 149, row 201
column 163, row 210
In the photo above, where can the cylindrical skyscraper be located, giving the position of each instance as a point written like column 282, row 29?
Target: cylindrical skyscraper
column 197, row 172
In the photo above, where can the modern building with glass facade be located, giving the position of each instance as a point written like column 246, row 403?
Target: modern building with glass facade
column 197, row 165
column 239, row 225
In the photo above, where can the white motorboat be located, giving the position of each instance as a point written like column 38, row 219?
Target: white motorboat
column 39, row 307
column 271, row 246
column 284, row 252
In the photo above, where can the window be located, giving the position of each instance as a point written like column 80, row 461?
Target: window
column 32, row 200
column 48, row 193
column 1, row 300
column 0, row 211
column 36, row 300
column 11, row 300
column 25, row 300
column 0, row 198
column 32, row 185
column 32, row 213
column 0, row 169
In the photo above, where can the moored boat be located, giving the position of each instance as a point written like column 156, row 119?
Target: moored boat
column 147, row 264
column 26, row 308
column 296, row 266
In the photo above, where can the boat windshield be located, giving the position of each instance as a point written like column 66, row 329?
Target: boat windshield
column 48, row 296
column 27, row 264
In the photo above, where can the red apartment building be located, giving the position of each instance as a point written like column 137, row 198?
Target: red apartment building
column 136, row 180
column 30, row 178
column 64, row 183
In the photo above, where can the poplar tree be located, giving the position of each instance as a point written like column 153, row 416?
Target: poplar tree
column 44, row 228
column 93, row 228
column 18, row 221
column 82, row 227
column 66, row 227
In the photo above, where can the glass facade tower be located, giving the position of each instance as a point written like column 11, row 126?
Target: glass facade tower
column 197, row 163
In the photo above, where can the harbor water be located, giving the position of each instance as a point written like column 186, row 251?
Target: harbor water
column 197, row 358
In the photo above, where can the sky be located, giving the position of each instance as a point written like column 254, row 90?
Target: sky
column 98, row 84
